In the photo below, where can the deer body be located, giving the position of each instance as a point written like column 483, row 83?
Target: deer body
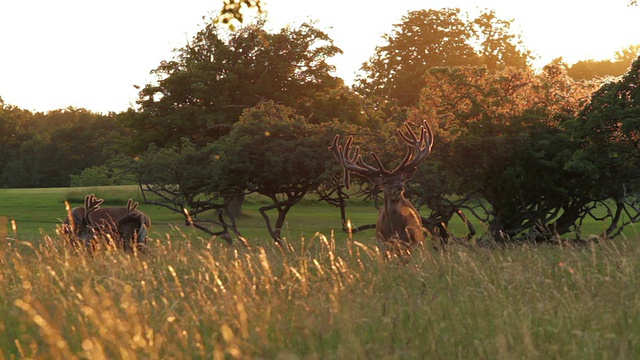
column 399, row 221
column 125, row 224
column 107, row 216
column 399, row 224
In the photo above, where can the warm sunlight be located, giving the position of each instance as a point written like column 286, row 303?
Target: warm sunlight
column 90, row 55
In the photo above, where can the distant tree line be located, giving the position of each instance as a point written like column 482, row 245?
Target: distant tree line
column 592, row 69
column 531, row 154
column 50, row 149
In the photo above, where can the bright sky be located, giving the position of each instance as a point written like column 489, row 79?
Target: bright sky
column 90, row 54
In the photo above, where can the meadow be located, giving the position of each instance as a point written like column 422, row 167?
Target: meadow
column 326, row 295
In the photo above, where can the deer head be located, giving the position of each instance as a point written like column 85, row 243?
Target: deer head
column 398, row 222
column 131, row 228
column 84, row 226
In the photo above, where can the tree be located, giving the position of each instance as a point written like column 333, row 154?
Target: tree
column 271, row 150
column 277, row 153
column 608, row 131
column 118, row 170
column 232, row 10
column 180, row 178
column 61, row 143
column 501, row 137
column 594, row 69
column 435, row 38
column 628, row 55
column 215, row 77
column 14, row 130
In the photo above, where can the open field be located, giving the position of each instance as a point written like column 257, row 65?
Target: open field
column 37, row 210
column 323, row 297
column 42, row 210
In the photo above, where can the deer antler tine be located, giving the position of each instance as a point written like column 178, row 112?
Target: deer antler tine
column 335, row 148
column 346, row 175
column 89, row 200
column 407, row 156
column 411, row 132
column 429, row 132
column 378, row 162
column 351, row 160
column 356, row 153
column 347, row 147
column 131, row 206
column 91, row 204
column 417, row 148
column 410, row 136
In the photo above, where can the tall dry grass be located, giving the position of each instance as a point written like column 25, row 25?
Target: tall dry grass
column 322, row 297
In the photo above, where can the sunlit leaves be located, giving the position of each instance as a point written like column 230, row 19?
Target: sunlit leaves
column 217, row 75
column 233, row 10
column 501, row 139
column 436, row 38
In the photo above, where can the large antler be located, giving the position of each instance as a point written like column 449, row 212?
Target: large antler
column 417, row 148
column 353, row 163
column 131, row 206
column 91, row 204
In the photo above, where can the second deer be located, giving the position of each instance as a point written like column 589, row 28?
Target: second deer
column 399, row 224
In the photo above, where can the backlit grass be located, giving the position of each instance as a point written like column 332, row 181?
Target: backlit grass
column 325, row 295
column 322, row 297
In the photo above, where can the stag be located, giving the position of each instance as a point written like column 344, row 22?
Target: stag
column 399, row 224
column 124, row 225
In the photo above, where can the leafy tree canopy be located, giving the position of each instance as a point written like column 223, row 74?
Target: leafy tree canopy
column 273, row 151
column 216, row 76
column 59, row 143
column 501, row 141
column 232, row 10
column 609, row 132
column 594, row 69
column 14, row 130
column 436, row 38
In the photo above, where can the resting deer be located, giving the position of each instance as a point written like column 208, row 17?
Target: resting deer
column 126, row 225
column 399, row 224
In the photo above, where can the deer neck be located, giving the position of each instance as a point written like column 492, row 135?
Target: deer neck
column 394, row 202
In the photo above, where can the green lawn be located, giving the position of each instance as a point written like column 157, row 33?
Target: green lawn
column 42, row 210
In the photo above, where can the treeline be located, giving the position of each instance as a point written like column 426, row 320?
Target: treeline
column 593, row 69
column 529, row 153
column 48, row 149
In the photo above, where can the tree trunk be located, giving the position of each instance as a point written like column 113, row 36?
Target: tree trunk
column 235, row 205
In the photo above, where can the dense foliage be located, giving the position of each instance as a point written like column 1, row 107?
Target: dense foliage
column 43, row 150
column 608, row 133
column 433, row 38
column 276, row 153
column 502, row 145
column 591, row 69
column 216, row 76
